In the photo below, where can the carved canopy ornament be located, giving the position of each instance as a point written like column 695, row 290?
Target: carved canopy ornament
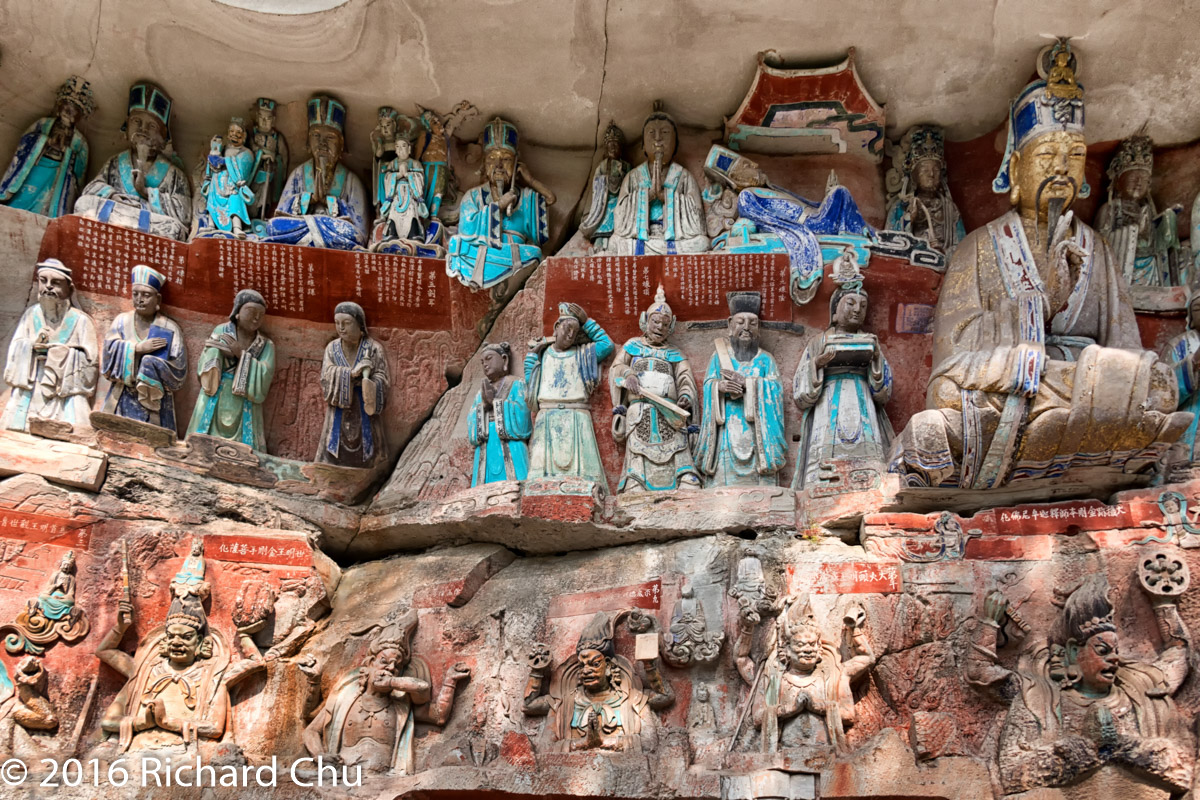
column 807, row 111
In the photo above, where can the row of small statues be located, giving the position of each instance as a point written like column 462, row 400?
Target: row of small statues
column 53, row 367
column 1077, row 708
column 497, row 228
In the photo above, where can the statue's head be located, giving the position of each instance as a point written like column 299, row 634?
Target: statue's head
column 235, row 134
column 264, row 114
column 197, row 548
column 186, row 633
column 387, row 123
column 495, row 359
column 594, row 652
column 249, row 308
column 744, row 310
column 848, row 307
column 1046, row 153
column 145, row 289
column 68, row 563
column 1131, row 167
column 500, row 154
column 658, row 321
column 148, row 121
column 55, row 284
column 391, row 657
column 614, row 140
column 326, row 129
column 1092, row 650
column 568, row 326
column 660, row 137
column 925, row 159
column 74, row 101
column 432, row 122
column 593, row 670
column 803, row 649
column 350, row 321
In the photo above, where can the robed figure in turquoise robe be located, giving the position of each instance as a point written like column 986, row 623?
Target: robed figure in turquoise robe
column 1181, row 353
column 499, row 430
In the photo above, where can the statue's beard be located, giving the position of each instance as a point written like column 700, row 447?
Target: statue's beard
column 744, row 350
column 1056, row 205
column 53, row 306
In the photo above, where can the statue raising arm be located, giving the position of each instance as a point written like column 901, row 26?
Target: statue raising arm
column 537, row 702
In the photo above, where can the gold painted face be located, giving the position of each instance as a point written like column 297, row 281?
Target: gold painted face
column 1052, row 164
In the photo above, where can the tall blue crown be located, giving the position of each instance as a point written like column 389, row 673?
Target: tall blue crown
column 150, row 97
column 324, row 110
column 500, row 133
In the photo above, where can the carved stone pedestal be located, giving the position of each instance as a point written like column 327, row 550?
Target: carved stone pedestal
column 61, row 462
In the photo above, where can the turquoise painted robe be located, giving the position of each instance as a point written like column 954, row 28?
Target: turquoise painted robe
column 491, row 245
column 842, row 414
column 35, row 182
column 112, row 196
column 500, row 434
column 1179, row 354
column 235, row 411
column 227, row 192
column 560, row 384
column 741, row 440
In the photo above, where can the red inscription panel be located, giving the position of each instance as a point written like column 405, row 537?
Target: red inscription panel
column 297, row 282
column 844, row 577
column 643, row 595
column 258, row 549
column 42, row 529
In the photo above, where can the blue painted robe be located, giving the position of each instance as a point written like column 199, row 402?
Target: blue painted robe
column 741, row 440
column 165, row 369
column 342, row 226
column 112, row 197
column 500, row 434
column 491, row 245
column 842, row 408
column 57, row 384
column 235, row 411
column 600, row 220
column 350, row 436
column 35, row 182
column 227, row 192
column 559, row 386
column 1179, row 354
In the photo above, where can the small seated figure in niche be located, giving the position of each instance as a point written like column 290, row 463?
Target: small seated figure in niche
column 228, row 183
column 596, row 700
column 142, row 188
column 51, row 160
column 400, row 227
column 368, row 718
column 1183, row 355
column 236, row 368
column 805, row 694
column 741, row 433
column 53, row 361
column 501, row 226
column 190, row 580
column 1083, row 715
column 654, row 399
column 561, row 372
column 499, row 424
column 659, row 210
column 356, row 381
column 769, row 219
column 51, row 616
column 841, row 385
column 323, row 203
column 433, row 151
column 922, row 204
column 1145, row 243
column 144, row 356
column 270, row 159
column 599, row 220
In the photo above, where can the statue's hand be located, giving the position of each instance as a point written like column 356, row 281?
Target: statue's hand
column 307, row 664
column 824, row 359
column 995, row 606
column 539, row 657
column 632, row 385
column 124, row 615
column 361, row 366
column 855, row 618
column 487, row 392
column 576, row 310
column 459, row 672
column 150, row 345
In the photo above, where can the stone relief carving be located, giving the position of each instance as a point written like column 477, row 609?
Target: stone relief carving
column 51, row 616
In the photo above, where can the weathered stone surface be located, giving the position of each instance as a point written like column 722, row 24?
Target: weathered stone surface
column 61, row 462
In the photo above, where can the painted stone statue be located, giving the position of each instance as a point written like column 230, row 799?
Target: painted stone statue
column 383, row 144
column 1183, row 354
column 270, row 159
column 659, row 209
column 561, row 372
column 804, row 695
column 175, row 699
column 654, row 395
column 921, row 204
column 236, row 368
column 402, row 218
column 754, row 216
column 499, row 424
column 25, row 711
column 1144, row 242
column 1037, row 359
column 1084, row 716
column 51, row 616
column 144, row 356
column 355, row 379
column 142, row 188
column 841, row 385
column 323, row 203
column 228, row 183
column 596, row 700
column 191, row 580
column 368, row 718
column 53, row 359
column 599, row 220
column 433, row 151
column 501, row 226
column 50, row 164
column 741, row 433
